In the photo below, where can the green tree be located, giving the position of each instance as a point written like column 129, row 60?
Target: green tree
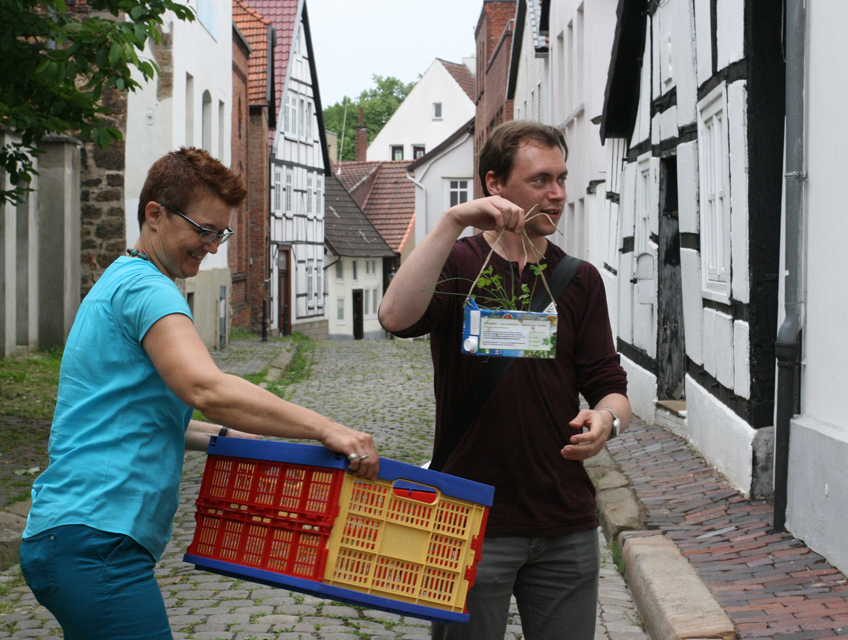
column 56, row 63
column 378, row 105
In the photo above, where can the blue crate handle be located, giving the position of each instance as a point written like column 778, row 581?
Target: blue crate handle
column 319, row 456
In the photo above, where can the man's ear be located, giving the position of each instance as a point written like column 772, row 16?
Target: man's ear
column 153, row 214
column 493, row 183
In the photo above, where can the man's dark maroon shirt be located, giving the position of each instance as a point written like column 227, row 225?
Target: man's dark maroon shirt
column 515, row 442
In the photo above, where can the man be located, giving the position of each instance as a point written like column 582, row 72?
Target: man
column 527, row 440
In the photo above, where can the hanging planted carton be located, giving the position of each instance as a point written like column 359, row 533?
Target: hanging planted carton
column 508, row 333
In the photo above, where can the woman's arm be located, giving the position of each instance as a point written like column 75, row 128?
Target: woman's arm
column 188, row 370
column 198, row 434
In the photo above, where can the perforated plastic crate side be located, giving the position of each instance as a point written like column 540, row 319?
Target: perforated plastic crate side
column 404, row 545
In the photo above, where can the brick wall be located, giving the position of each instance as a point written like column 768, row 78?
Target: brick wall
column 494, row 42
column 258, row 211
column 103, row 231
column 238, row 245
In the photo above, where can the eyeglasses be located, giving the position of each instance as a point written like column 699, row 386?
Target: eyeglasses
column 207, row 236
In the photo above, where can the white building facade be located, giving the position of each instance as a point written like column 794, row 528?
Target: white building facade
column 693, row 118
column 193, row 109
column 435, row 108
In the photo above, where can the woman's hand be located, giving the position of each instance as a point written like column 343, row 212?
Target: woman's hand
column 362, row 456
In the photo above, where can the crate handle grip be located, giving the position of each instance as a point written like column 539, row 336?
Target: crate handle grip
column 415, row 491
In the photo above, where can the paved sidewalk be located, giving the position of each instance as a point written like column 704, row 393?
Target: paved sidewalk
column 383, row 387
column 771, row 585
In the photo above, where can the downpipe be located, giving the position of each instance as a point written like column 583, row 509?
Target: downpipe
column 788, row 344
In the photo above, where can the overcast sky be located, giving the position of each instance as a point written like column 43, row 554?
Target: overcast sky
column 401, row 38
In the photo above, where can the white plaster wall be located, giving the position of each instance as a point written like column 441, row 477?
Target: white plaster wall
column 817, row 500
column 684, row 60
column 344, row 287
column 703, row 40
column 155, row 128
column 413, row 122
column 737, row 125
column 690, row 272
column 687, row 187
column 722, row 437
column 741, row 359
column 432, row 196
column 641, row 390
column 818, row 453
column 730, row 30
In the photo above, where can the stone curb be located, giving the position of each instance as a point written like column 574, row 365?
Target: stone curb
column 672, row 600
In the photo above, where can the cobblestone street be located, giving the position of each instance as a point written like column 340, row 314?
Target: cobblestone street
column 383, row 387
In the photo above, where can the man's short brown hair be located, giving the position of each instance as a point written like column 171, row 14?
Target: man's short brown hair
column 181, row 177
column 498, row 152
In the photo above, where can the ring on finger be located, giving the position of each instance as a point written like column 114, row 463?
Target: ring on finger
column 363, row 457
column 352, row 456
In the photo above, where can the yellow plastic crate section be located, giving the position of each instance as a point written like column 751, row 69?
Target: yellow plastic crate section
column 408, row 543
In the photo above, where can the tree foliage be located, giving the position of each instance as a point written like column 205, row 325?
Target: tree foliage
column 378, row 105
column 56, row 63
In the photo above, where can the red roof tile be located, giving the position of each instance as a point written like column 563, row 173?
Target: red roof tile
column 463, row 77
column 254, row 28
column 385, row 195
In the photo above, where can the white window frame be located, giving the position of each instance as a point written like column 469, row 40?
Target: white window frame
column 288, row 192
column 319, row 283
column 278, row 191
column 366, row 303
column 376, row 300
column 290, row 122
column 319, row 196
column 355, row 271
column 339, row 270
column 340, row 310
column 450, row 190
column 310, row 196
column 642, row 233
column 310, row 284
column 714, row 183
column 438, row 112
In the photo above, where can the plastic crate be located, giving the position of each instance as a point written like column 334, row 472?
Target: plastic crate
column 289, row 515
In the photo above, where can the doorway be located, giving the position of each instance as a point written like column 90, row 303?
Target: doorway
column 671, row 346
column 358, row 328
column 283, row 289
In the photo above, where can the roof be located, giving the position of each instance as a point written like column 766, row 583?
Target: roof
column 255, row 30
column 385, row 195
column 283, row 15
column 468, row 127
column 347, row 230
column 464, row 78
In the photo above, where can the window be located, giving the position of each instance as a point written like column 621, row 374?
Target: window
column 278, row 191
column 417, row 151
column 397, row 152
column 353, row 264
column 339, row 270
column 366, row 299
column 310, row 289
column 715, row 197
column 437, row 111
column 310, row 196
column 319, row 283
column 340, row 310
column 290, row 125
column 289, row 179
column 319, row 196
column 375, row 295
column 457, row 192
column 306, row 120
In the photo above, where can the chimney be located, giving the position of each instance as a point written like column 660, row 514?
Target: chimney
column 361, row 138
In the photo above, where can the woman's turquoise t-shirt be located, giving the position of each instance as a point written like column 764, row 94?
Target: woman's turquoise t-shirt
column 118, row 434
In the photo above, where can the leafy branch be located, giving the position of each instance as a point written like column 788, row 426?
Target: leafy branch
column 57, row 63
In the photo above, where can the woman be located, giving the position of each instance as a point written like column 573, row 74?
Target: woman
column 133, row 370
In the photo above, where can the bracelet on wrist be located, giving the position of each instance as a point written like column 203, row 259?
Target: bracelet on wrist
column 223, row 431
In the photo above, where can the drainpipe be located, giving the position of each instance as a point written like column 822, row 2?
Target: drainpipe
column 788, row 345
